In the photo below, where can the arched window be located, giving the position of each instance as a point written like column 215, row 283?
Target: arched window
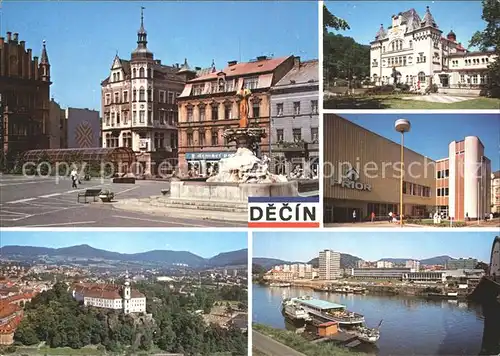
column 134, row 73
column 149, row 72
column 141, row 94
column 421, row 77
column 141, row 72
column 393, row 46
column 134, row 94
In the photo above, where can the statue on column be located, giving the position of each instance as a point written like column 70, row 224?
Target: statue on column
column 243, row 95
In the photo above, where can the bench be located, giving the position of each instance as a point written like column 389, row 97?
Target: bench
column 125, row 180
column 89, row 193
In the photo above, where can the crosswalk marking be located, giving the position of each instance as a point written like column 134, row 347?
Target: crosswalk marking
column 50, row 195
column 20, row 201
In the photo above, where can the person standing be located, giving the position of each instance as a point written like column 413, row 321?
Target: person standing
column 373, row 216
column 390, row 216
column 353, row 216
column 74, row 178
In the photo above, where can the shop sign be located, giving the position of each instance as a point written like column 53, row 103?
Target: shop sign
column 190, row 156
column 351, row 181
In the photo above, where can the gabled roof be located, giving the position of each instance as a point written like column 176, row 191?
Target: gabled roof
column 246, row 68
column 307, row 73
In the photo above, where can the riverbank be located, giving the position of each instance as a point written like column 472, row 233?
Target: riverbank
column 388, row 288
column 302, row 345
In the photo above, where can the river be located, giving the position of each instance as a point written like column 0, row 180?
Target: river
column 411, row 325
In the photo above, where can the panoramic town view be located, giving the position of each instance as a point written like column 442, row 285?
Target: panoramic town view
column 411, row 55
column 346, row 293
column 450, row 176
column 134, row 123
column 153, row 293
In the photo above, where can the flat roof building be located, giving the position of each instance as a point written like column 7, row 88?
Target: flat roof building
column 329, row 265
column 463, row 180
column 362, row 173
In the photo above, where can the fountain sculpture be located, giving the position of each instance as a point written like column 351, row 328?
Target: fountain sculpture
column 244, row 166
column 241, row 175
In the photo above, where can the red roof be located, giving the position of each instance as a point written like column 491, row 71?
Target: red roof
column 106, row 291
column 245, row 68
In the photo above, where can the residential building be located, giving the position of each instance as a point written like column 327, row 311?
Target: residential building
column 139, row 107
column 463, row 180
column 329, row 265
column 208, row 106
column 413, row 50
column 385, row 264
column 379, row 273
column 359, row 178
column 461, row 263
column 413, row 264
column 83, row 128
column 58, row 126
column 279, row 275
column 110, row 296
column 294, row 139
column 495, row 192
column 24, row 97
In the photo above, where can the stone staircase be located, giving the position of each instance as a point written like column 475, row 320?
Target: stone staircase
column 213, row 205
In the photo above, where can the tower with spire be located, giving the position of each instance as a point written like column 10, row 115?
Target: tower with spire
column 44, row 64
column 127, row 294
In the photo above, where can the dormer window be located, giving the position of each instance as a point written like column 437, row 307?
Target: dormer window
column 221, row 85
column 250, row 83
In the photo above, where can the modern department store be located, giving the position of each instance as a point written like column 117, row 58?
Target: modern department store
column 362, row 173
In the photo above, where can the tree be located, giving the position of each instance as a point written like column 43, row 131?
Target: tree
column 489, row 39
column 332, row 21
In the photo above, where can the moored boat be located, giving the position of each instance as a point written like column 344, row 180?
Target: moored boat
column 328, row 311
column 295, row 312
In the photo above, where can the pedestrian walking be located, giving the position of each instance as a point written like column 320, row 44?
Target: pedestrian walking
column 390, row 216
column 373, row 216
column 74, row 178
column 353, row 216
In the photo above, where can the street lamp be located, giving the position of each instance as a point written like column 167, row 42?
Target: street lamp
column 402, row 126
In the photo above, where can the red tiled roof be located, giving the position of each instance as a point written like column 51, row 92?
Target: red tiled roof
column 11, row 326
column 245, row 68
column 7, row 309
column 106, row 291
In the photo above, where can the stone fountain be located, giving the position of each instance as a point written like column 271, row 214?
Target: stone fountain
column 241, row 175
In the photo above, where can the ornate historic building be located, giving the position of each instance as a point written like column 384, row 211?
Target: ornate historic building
column 209, row 105
column 414, row 50
column 111, row 296
column 24, row 96
column 139, row 106
column 295, row 120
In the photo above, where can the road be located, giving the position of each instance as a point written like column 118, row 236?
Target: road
column 268, row 346
column 51, row 202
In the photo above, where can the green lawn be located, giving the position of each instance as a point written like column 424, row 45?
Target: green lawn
column 300, row 344
column 60, row 351
column 397, row 102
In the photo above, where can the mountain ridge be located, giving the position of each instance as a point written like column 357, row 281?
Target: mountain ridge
column 167, row 256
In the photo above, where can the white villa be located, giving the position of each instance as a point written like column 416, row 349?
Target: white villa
column 415, row 52
column 110, row 296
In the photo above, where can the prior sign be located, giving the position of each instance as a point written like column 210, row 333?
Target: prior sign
column 351, row 181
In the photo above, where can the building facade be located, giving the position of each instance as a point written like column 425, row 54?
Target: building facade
column 107, row 296
column 461, row 263
column 379, row 273
column 362, row 173
column 209, row 105
column 385, row 264
column 463, row 180
column 414, row 50
column 329, row 265
column 495, row 192
column 58, row 126
column 139, row 107
column 413, row 264
column 83, row 128
column 24, row 97
column 294, row 137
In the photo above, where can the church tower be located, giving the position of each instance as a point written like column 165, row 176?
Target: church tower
column 126, row 294
column 44, row 67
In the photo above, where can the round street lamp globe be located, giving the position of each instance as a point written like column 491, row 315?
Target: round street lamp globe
column 402, row 125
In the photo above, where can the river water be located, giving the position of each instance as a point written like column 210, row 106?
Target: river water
column 411, row 325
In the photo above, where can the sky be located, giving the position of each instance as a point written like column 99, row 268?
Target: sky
column 364, row 17
column 203, row 243
column 431, row 134
column 372, row 246
column 83, row 37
